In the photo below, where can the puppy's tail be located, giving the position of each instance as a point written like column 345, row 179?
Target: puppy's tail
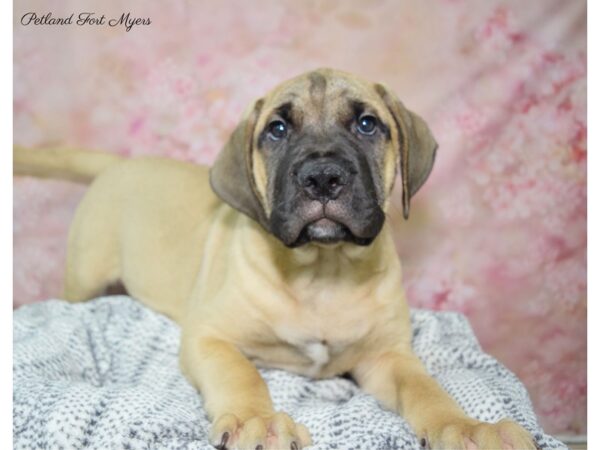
column 81, row 166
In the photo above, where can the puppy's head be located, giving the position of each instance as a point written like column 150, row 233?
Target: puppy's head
column 315, row 160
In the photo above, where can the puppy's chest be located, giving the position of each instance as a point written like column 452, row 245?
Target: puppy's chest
column 317, row 353
column 315, row 342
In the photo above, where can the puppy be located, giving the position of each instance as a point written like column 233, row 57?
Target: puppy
column 255, row 256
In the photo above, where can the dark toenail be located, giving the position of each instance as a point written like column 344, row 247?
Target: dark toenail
column 259, row 447
column 294, row 446
column 423, row 443
column 224, row 439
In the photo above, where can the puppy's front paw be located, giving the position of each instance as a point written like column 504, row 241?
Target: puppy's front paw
column 276, row 432
column 468, row 434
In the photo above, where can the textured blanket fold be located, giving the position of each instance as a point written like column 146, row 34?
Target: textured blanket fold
column 104, row 374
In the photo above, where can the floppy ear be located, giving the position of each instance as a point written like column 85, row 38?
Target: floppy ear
column 417, row 147
column 231, row 175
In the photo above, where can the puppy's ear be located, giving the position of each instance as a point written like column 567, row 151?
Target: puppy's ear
column 231, row 175
column 417, row 146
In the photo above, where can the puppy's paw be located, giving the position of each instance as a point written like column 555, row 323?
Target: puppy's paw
column 468, row 434
column 276, row 432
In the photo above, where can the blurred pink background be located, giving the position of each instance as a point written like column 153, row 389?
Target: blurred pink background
column 499, row 230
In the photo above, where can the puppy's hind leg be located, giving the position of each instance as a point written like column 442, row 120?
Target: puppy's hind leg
column 92, row 259
column 88, row 276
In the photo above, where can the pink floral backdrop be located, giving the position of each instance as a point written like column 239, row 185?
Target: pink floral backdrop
column 499, row 230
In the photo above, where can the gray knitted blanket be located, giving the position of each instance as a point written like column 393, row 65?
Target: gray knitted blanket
column 105, row 375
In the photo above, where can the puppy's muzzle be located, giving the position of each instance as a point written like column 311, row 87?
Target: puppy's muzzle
column 323, row 180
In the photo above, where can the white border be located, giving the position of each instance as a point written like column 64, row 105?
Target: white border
column 6, row 78
column 593, row 223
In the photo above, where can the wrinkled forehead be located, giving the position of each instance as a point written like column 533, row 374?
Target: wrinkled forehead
column 322, row 99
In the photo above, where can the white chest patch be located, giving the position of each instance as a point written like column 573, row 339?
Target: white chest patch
column 318, row 353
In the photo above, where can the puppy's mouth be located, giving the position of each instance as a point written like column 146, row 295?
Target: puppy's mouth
column 327, row 223
column 325, row 231
column 328, row 231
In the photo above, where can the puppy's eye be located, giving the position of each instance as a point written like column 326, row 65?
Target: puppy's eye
column 367, row 125
column 277, row 130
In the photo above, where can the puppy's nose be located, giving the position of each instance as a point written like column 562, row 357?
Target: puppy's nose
column 323, row 181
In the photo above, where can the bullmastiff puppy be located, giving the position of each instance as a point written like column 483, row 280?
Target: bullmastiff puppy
column 278, row 256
